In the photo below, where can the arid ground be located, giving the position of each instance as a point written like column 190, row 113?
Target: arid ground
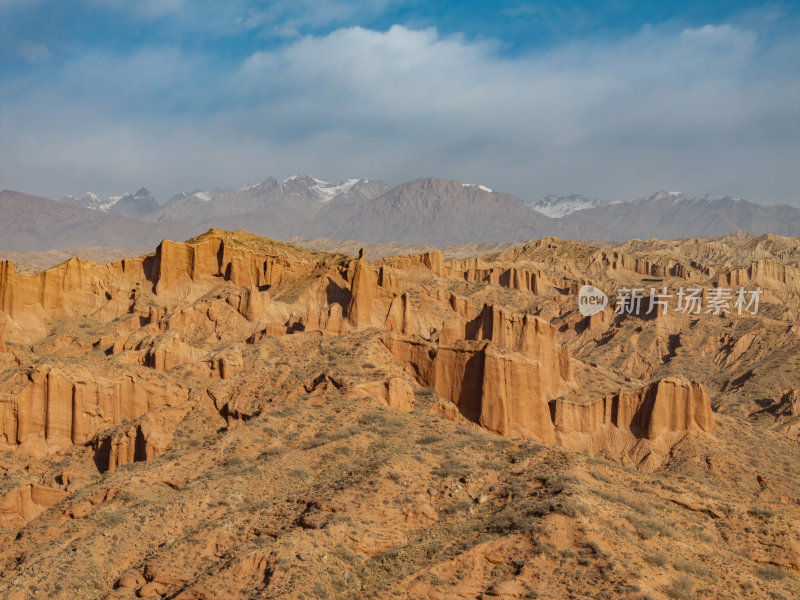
column 234, row 417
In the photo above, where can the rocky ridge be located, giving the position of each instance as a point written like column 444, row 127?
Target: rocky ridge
column 514, row 358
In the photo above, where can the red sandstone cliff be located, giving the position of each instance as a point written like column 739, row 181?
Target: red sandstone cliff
column 51, row 407
column 671, row 404
column 192, row 305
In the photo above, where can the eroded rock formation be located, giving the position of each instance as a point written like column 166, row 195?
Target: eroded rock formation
column 361, row 311
column 500, row 373
column 190, row 309
column 25, row 502
column 396, row 392
column 667, row 405
column 50, row 407
column 777, row 280
column 144, row 439
column 266, row 419
column 616, row 261
column 787, row 415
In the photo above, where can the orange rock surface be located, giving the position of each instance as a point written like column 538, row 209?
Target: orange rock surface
column 233, row 416
column 670, row 404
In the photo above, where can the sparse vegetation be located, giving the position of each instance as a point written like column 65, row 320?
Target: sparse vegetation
column 292, row 476
column 681, row 589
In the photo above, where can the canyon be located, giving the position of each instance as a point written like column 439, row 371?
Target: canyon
column 273, row 395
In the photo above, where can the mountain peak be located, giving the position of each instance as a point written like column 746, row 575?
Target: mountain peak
column 136, row 205
column 320, row 190
column 662, row 195
column 301, row 178
column 133, row 206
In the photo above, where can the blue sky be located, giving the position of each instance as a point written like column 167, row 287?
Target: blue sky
column 608, row 99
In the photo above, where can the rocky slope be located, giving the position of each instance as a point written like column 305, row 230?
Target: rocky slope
column 33, row 223
column 233, row 416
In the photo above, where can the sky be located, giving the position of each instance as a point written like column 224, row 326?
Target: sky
column 610, row 99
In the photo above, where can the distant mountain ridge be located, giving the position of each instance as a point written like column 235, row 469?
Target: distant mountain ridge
column 273, row 208
column 133, row 206
column 423, row 211
column 674, row 215
column 426, row 209
column 34, row 223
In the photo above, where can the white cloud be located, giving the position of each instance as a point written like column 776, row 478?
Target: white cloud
column 313, row 13
column 723, row 35
column 702, row 110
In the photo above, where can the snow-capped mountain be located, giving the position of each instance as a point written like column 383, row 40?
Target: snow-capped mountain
column 447, row 211
column 302, row 188
column 324, row 191
column 91, row 200
column 431, row 210
column 559, row 206
column 272, row 207
column 134, row 206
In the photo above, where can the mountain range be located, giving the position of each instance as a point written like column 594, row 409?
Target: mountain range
column 33, row 223
column 426, row 210
column 133, row 206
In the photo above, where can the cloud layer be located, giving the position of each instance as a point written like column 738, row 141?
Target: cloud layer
column 712, row 109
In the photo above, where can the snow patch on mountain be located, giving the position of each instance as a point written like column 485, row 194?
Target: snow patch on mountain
column 91, row 200
column 129, row 205
column 559, row 206
column 480, row 187
column 249, row 187
column 323, row 190
column 109, row 203
column 327, row 191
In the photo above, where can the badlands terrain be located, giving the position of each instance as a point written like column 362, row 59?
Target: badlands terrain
column 235, row 417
